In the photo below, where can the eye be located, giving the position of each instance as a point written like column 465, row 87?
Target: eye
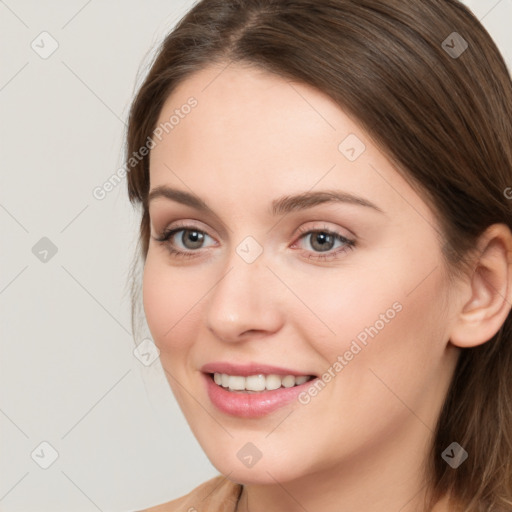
column 324, row 241
column 191, row 239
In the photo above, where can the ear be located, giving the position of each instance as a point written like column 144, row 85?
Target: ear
column 488, row 294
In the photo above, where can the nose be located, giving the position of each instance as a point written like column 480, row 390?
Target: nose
column 245, row 301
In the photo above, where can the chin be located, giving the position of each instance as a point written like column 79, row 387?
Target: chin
column 264, row 472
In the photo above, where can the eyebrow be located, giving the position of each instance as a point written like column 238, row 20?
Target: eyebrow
column 279, row 206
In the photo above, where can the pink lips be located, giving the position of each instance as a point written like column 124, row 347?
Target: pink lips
column 250, row 405
column 248, row 369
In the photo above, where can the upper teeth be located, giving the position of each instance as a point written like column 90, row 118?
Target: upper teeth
column 258, row 382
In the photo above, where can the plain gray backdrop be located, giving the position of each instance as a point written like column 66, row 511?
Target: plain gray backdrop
column 86, row 425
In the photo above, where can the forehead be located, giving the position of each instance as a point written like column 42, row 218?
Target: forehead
column 253, row 134
column 252, row 100
column 246, row 118
column 248, row 86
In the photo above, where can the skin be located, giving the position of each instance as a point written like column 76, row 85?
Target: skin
column 362, row 442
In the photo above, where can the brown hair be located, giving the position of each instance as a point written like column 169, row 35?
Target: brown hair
column 444, row 120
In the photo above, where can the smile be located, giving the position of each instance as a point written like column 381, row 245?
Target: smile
column 259, row 382
column 254, row 396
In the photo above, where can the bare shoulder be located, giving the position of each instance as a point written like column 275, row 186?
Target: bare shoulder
column 218, row 491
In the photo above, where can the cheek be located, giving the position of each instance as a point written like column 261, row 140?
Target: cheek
column 156, row 298
column 386, row 309
column 398, row 340
column 344, row 305
column 171, row 305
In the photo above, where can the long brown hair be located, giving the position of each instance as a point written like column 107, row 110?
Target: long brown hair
column 430, row 87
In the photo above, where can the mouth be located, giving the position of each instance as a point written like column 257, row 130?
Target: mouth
column 257, row 383
column 259, row 391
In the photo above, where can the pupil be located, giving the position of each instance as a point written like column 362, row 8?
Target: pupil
column 325, row 240
column 194, row 237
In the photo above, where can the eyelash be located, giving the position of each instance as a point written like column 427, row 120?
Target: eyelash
column 166, row 236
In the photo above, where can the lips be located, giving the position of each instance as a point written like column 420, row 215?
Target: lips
column 251, row 369
column 249, row 403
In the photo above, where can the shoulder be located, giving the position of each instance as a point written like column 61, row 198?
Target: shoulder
column 216, row 495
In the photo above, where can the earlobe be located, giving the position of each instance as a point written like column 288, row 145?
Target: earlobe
column 490, row 285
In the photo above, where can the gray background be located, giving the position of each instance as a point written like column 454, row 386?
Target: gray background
column 69, row 376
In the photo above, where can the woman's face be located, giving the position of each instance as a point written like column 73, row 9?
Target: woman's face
column 351, row 292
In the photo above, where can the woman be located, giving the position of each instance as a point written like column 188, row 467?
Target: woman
column 327, row 250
